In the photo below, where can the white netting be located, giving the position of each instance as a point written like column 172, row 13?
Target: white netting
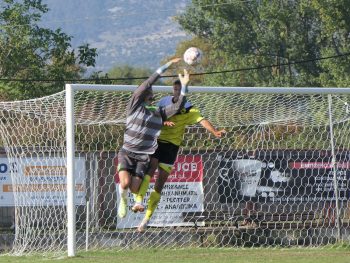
column 268, row 181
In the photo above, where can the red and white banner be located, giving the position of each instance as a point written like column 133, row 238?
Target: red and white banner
column 183, row 192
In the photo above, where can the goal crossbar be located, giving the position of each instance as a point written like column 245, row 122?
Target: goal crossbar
column 205, row 89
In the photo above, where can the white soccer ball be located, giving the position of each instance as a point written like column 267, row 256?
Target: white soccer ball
column 192, row 56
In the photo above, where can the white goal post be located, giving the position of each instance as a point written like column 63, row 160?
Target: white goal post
column 278, row 177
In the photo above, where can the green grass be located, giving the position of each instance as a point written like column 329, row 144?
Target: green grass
column 324, row 255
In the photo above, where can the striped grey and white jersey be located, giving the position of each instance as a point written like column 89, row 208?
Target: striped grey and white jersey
column 143, row 123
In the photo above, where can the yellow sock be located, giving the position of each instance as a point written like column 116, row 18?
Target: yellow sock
column 143, row 189
column 152, row 204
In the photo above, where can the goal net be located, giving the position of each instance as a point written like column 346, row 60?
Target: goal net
column 279, row 176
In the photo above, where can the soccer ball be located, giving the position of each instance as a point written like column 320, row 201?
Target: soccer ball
column 192, row 56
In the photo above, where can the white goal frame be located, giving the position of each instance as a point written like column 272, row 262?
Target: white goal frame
column 70, row 124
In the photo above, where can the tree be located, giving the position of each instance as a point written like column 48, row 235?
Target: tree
column 126, row 71
column 246, row 34
column 335, row 37
column 28, row 51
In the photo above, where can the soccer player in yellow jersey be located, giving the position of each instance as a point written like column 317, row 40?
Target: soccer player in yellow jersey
column 169, row 141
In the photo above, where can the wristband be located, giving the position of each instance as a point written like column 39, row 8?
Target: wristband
column 184, row 90
column 163, row 68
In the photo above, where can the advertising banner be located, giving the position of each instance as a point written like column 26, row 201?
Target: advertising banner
column 282, row 176
column 183, row 192
column 39, row 181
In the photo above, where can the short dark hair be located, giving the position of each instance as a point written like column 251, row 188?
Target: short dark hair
column 148, row 92
column 177, row 82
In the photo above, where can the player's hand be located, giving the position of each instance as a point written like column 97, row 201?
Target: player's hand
column 185, row 78
column 169, row 123
column 219, row 134
column 175, row 60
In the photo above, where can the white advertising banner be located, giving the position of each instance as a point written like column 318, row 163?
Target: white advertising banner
column 182, row 193
column 39, row 181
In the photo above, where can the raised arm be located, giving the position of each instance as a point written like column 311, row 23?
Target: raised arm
column 173, row 108
column 141, row 92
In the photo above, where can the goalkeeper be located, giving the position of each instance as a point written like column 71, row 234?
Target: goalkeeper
column 168, row 145
column 143, row 125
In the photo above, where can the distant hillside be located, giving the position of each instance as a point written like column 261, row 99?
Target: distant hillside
column 134, row 32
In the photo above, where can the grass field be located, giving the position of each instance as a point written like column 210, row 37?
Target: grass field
column 324, row 255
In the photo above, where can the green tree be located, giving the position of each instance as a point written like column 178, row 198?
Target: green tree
column 126, row 71
column 335, row 22
column 245, row 34
column 28, row 51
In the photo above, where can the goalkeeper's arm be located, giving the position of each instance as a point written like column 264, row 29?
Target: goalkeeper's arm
column 147, row 84
column 140, row 93
column 172, row 109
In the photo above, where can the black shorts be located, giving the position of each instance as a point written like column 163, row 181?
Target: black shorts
column 166, row 152
column 136, row 164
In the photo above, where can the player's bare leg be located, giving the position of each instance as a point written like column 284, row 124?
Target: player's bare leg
column 135, row 184
column 125, row 180
column 134, row 188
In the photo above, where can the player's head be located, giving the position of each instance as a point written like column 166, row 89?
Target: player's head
column 177, row 88
column 168, row 100
column 149, row 97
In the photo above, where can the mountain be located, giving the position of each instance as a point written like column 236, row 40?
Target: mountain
column 133, row 32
